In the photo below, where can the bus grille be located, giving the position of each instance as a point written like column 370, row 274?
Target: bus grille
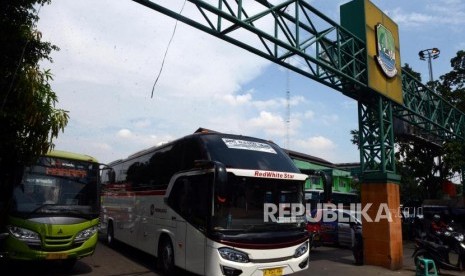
column 53, row 244
column 271, row 260
column 57, row 241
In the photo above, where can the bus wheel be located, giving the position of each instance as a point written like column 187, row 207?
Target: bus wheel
column 110, row 234
column 166, row 257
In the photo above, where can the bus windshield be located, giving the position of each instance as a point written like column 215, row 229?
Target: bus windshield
column 58, row 186
column 245, row 210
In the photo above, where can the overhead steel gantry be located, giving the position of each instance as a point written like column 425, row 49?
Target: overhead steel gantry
column 295, row 35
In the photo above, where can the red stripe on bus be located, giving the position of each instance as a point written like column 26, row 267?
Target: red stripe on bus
column 262, row 246
column 134, row 193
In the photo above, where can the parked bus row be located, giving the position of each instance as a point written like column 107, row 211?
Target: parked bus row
column 196, row 203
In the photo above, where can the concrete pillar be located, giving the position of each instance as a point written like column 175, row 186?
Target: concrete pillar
column 382, row 239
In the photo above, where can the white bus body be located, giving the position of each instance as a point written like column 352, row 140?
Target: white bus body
column 208, row 217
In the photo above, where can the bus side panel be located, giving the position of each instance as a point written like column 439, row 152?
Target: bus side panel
column 154, row 221
column 188, row 242
column 195, row 250
column 119, row 207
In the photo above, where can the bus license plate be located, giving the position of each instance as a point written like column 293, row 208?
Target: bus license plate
column 273, row 272
column 56, row 256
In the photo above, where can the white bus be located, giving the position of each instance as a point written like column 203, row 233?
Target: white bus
column 197, row 203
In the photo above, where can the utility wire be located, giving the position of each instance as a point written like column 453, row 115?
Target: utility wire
column 166, row 51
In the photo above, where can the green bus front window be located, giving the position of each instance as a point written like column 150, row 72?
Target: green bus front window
column 65, row 191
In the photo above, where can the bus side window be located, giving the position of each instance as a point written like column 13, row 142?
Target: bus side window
column 179, row 196
column 198, row 199
column 192, row 152
column 189, row 198
column 163, row 164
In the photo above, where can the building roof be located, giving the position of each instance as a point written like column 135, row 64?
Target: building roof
column 309, row 158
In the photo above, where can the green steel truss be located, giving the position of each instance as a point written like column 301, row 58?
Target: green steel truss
column 432, row 116
column 295, row 35
column 376, row 135
column 301, row 38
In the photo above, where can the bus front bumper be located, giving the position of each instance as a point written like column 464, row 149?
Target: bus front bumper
column 15, row 249
column 288, row 265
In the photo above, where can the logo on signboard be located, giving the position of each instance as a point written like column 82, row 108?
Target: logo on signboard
column 386, row 51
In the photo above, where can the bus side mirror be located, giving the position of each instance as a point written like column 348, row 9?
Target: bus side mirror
column 111, row 176
column 220, row 178
column 327, row 186
column 221, row 182
column 110, row 173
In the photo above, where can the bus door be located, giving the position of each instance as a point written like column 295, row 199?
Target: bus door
column 190, row 199
column 155, row 215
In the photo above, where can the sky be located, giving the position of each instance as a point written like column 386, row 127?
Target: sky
column 111, row 52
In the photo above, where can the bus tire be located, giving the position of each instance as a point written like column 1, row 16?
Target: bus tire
column 166, row 256
column 110, row 234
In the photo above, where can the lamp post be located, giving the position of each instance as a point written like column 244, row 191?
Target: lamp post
column 429, row 54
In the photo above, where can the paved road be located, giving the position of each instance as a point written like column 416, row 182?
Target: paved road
column 125, row 261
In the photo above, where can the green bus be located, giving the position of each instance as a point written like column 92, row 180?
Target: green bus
column 54, row 211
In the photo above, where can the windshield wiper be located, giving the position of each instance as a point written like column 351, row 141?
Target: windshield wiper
column 41, row 207
column 255, row 227
column 58, row 209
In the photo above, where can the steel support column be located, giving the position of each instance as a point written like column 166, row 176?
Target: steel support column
column 380, row 184
column 376, row 135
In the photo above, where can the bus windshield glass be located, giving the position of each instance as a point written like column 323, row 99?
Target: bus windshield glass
column 58, row 186
column 249, row 205
column 248, row 153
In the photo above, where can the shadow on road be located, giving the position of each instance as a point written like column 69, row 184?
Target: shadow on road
column 333, row 254
column 48, row 268
column 141, row 258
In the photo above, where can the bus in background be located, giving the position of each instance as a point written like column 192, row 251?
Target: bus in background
column 197, row 203
column 325, row 192
column 54, row 211
column 315, row 197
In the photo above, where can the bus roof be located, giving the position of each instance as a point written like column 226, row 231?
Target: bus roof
column 71, row 155
column 199, row 132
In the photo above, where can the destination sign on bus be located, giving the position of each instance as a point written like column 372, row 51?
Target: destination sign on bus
column 248, row 145
column 66, row 172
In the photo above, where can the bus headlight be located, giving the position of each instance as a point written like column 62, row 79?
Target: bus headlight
column 23, row 234
column 301, row 250
column 233, row 255
column 86, row 234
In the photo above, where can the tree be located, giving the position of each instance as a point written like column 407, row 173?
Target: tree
column 28, row 118
column 452, row 84
column 416, row 163
column 452, row 88
column 418, row 158
column 410, row 70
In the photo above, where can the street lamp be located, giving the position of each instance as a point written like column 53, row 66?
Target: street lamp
column 429, row 54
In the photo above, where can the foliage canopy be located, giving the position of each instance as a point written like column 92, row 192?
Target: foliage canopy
column 29, row 119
